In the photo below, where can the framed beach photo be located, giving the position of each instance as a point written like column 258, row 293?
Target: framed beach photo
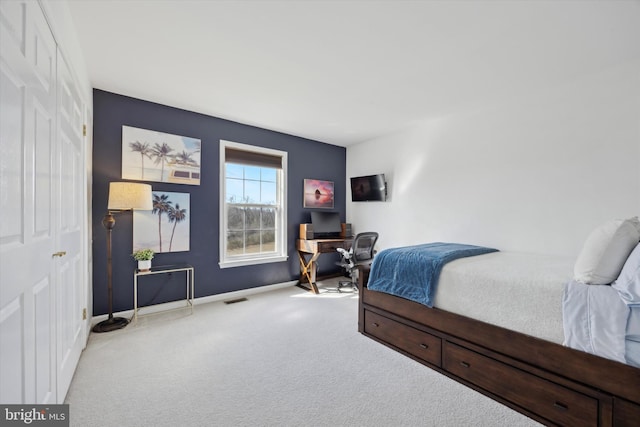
column 318, row 194
column 166, row 227
column 148, row 155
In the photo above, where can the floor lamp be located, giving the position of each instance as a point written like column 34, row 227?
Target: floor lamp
column 123, row 196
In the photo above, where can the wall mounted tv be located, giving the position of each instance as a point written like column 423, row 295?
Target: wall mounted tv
column 371, row 188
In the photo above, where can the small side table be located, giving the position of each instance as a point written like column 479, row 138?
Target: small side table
column 164, row 269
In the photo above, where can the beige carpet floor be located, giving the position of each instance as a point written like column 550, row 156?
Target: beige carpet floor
column 281, row 358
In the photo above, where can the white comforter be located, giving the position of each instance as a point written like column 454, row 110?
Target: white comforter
column 517, row 291
column 526, row 292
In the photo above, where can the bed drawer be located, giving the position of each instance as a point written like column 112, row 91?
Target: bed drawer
column 551, row 401
column 626, row 414
column 418, row 343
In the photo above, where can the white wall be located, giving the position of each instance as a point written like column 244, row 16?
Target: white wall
column 532, row 174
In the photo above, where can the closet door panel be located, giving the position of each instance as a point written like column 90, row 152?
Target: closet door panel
column 27, row 235
column 71, row 202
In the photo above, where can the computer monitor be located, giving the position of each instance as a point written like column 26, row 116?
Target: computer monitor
column 326, row 225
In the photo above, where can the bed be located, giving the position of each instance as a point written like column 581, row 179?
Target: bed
column 512, row 352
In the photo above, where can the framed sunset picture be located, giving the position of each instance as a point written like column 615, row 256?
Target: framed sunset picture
column 318, row 194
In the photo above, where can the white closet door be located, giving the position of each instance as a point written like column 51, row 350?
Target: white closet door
column 27, row 206
column 71, row 203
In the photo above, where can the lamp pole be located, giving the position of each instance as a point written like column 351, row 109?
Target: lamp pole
column 112, row 323
column 123, row 196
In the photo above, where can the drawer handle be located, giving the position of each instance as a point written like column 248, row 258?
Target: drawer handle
column 375, row 324
column 424, row 346
column 465, row 365
column 560, row 406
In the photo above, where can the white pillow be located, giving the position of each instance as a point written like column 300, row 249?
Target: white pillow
column 606, row 250
column 628, row 283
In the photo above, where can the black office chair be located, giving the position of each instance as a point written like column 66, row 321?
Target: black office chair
column 361, row 253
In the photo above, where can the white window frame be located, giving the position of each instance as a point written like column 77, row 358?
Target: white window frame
column 281, row 220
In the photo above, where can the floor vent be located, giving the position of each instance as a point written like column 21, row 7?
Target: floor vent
column 233, row 301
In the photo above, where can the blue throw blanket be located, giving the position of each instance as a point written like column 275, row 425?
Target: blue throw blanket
column 412, row 272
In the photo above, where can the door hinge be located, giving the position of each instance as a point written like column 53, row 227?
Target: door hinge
column 84, row 130
column 84, row 314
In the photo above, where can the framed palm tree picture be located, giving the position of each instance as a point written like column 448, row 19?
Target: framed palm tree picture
column 149, row 155
column 166, row 227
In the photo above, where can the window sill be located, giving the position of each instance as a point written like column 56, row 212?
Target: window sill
column 252, row 261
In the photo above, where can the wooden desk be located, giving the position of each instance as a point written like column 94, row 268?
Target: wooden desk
column 314, row 248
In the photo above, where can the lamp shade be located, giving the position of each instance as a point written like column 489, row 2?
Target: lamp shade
column 129, row 195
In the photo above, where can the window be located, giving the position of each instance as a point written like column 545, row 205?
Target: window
column 253, row 206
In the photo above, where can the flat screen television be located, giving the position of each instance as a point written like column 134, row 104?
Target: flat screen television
column 326, row 225
column 371, row 188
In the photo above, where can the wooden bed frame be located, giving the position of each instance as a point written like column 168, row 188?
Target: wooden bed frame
column 549, row 383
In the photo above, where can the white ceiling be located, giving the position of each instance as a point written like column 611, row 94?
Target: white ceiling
column 343, row 72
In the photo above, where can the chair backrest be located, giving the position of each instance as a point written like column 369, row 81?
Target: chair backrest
column 363, row 246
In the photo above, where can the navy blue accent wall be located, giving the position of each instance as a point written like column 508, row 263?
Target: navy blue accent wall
column 306, row 158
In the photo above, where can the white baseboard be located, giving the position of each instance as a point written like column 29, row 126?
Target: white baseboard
column 243, row 292
column 202, row 300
